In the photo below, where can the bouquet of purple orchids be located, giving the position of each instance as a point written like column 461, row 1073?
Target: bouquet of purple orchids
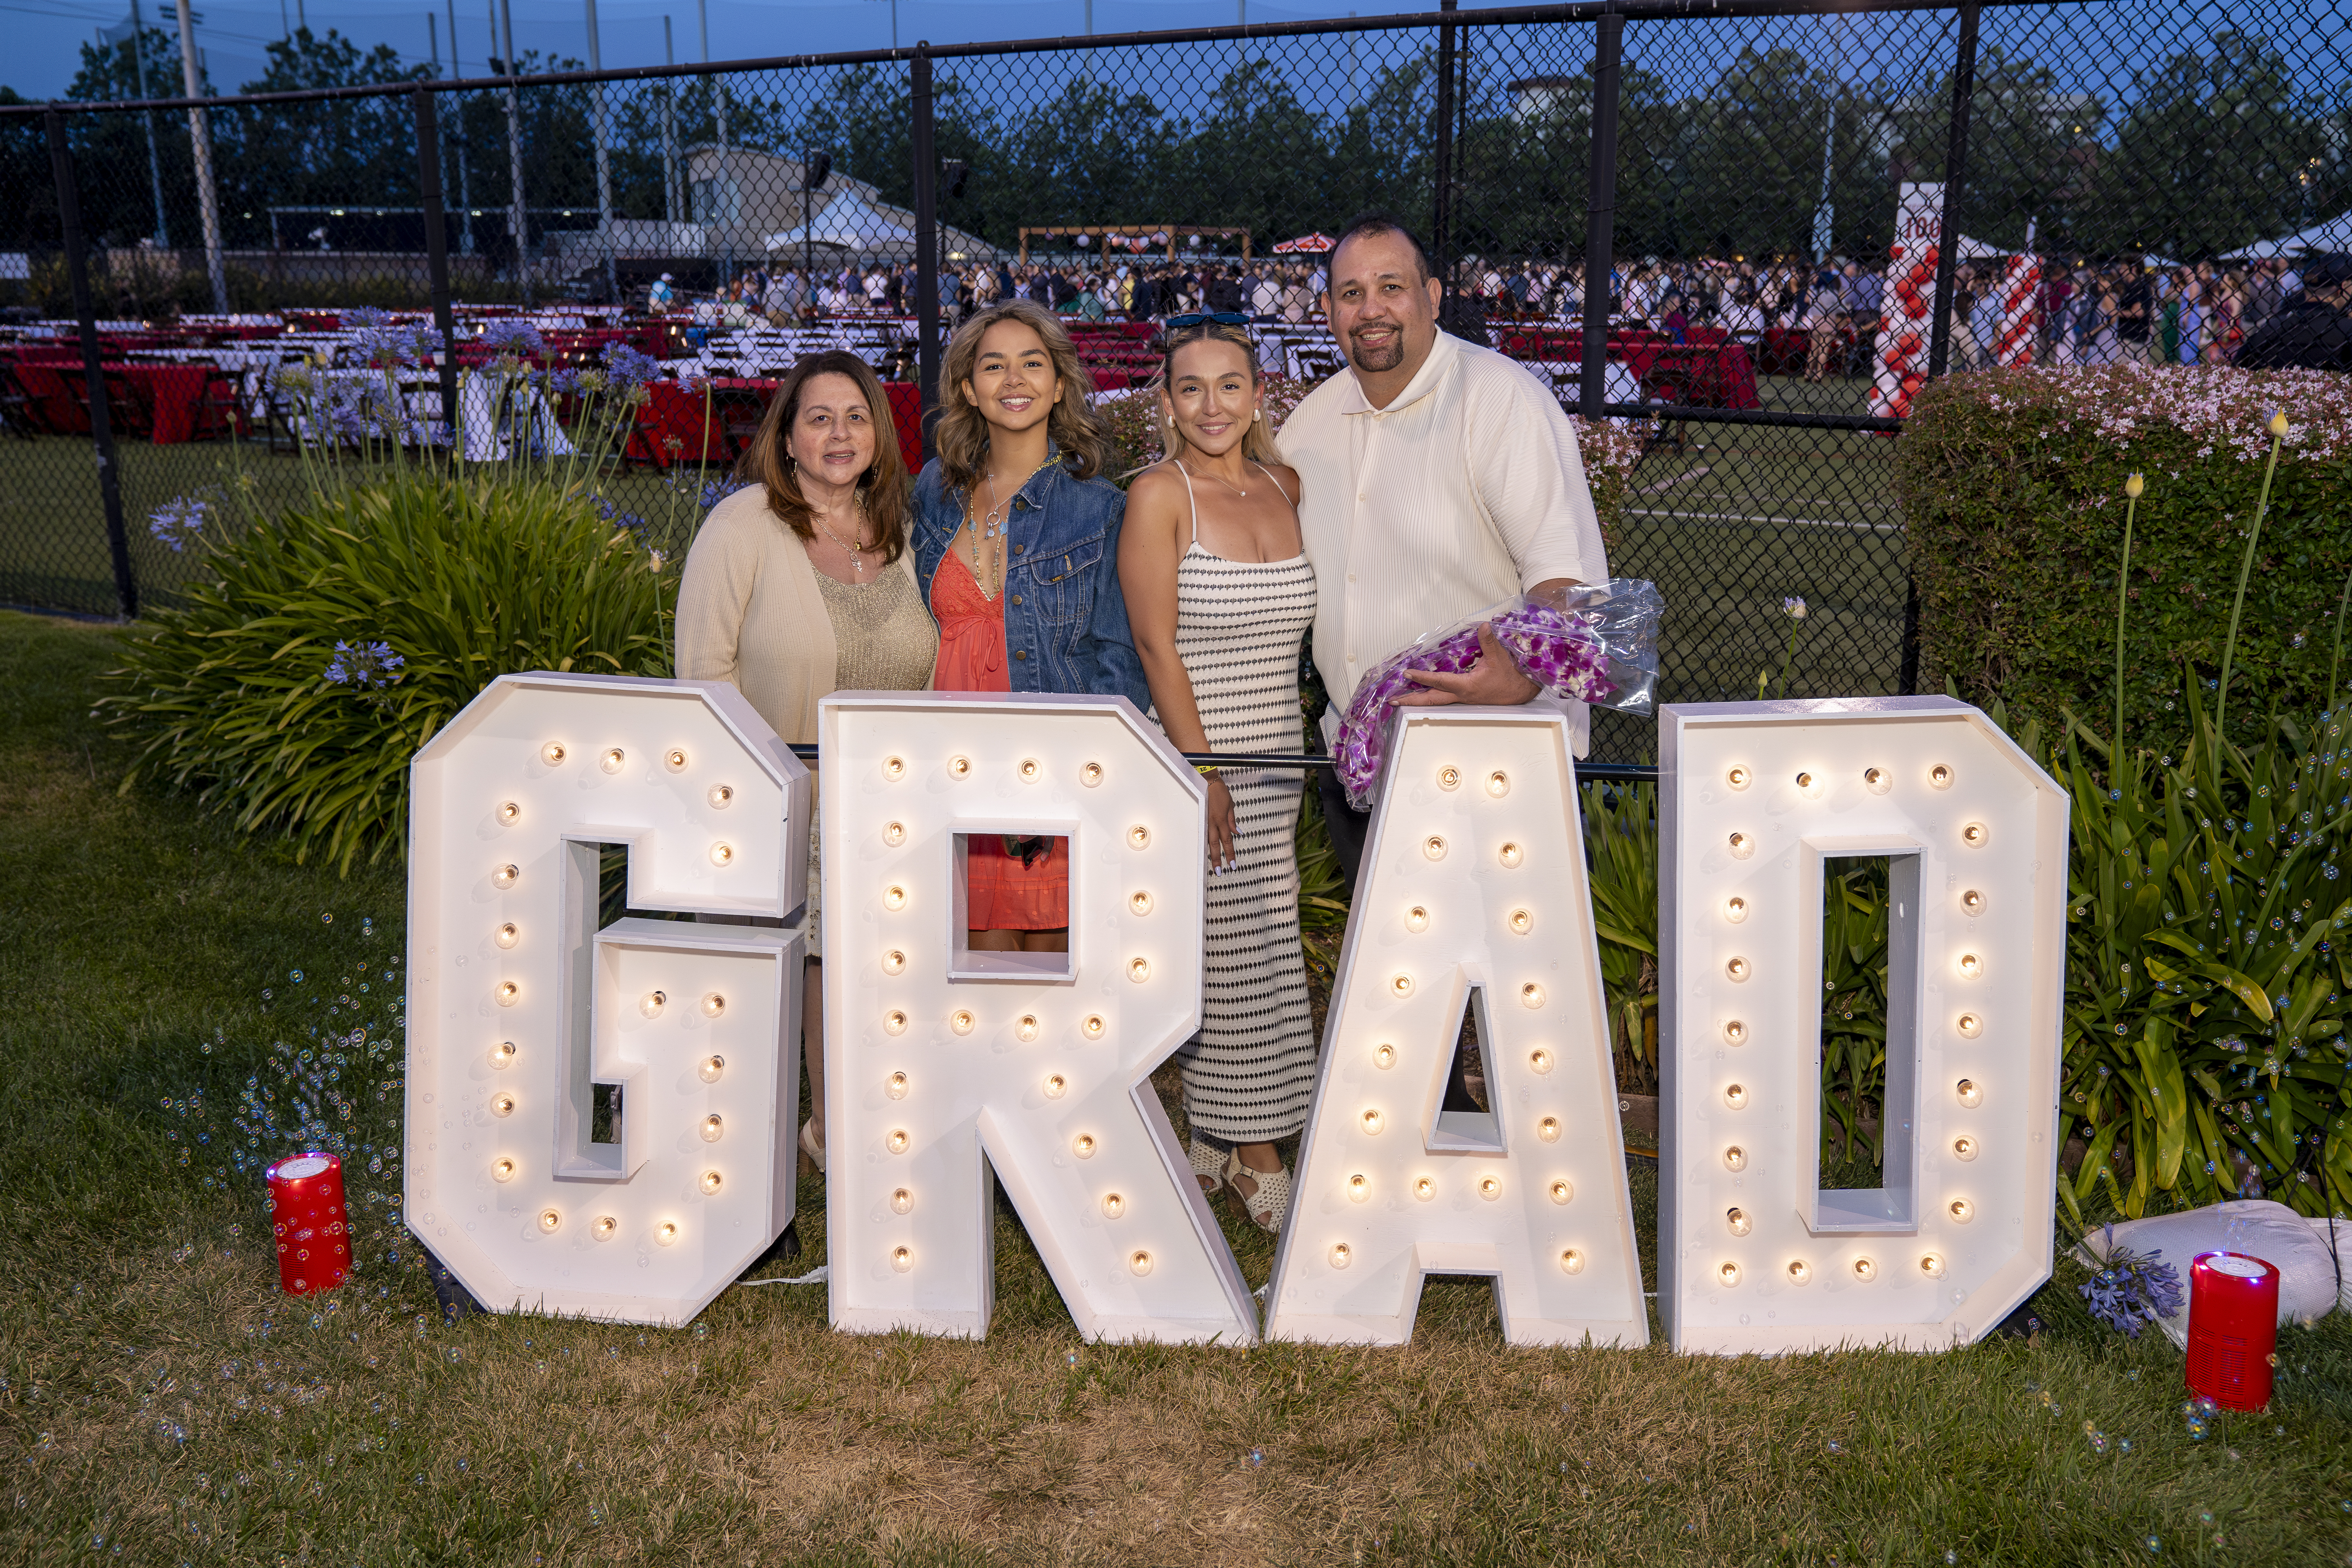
column 1598, row 646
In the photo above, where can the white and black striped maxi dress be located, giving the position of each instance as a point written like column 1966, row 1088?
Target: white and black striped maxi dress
column 1239, row 624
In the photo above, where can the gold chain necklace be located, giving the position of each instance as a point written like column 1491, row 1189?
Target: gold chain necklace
column 857, row 552
column 989, row 523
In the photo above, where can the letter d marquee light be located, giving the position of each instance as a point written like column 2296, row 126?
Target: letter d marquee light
column 945, row 1064
column 600, row 1122
column 1755, row 1254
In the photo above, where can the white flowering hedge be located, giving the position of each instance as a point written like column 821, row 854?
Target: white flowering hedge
column 2011, row 482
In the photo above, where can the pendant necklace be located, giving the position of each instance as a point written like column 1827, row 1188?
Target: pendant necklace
column 996, row 523
column 857, row 552
column 1219, row 478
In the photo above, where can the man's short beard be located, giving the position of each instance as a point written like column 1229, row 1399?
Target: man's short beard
column 1364, row 359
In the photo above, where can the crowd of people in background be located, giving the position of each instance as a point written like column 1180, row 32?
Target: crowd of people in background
column 2088, row 312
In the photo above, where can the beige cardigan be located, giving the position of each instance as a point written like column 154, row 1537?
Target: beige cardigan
column 749, row 613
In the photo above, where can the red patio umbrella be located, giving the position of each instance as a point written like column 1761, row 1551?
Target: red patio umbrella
column 1306, row 242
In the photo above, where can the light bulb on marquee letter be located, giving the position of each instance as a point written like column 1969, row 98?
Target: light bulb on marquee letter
column 1964, row 822
column 596, row 1088
column 1034, row 1068
column 1467, row 1193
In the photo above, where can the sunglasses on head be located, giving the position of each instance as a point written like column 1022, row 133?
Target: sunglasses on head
column 1195, row 318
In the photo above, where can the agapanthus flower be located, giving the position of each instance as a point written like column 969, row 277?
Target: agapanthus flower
column 181, row 522
column 366, row 665
column 1795, row 608
column 626, row 367
column 384, row 348
column 514, row 337
column 717, row 491
column 2131, row 1290
column 611, row 512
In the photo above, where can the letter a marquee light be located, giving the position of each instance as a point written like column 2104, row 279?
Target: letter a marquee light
column 1756, row 1254
column 1473, row 895
column 599, row 1121
column 945, row 1064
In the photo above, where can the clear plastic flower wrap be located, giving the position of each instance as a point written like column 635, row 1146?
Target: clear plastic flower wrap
column 1601, row 647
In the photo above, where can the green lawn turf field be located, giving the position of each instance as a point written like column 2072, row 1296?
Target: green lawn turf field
column 159, row 1395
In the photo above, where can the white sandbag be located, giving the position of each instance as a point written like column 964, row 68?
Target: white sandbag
column 2297, row 1248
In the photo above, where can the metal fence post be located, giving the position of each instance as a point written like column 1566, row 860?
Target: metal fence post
column 1955, row 162
column 927, row 244
column 101, row 432
column 1440, row 217
column 1600, row 214
column 437, row 256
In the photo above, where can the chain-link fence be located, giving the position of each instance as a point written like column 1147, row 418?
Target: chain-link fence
column 2119, row 181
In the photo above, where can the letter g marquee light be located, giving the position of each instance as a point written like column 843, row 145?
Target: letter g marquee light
column 600, row 1122
column 1755, row 1254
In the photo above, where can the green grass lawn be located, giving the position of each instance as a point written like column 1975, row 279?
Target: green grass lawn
column 161, row 1402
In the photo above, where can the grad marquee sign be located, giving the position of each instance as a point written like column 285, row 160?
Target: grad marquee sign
column 601, row 1122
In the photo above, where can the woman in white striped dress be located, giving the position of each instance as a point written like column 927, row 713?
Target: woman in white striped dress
column 1219, row 595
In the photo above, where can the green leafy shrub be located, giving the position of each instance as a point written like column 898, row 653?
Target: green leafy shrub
column 2012, row 481
column 2206, row 965
column 335, row 639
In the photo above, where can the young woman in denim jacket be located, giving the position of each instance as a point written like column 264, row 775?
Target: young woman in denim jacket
column 1016, row 546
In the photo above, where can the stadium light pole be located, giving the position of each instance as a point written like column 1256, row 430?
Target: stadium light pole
column 154, row 163
column 465, row 174
column 200, row 139
column 669, row 136
column 518, row 217
column 597, row 119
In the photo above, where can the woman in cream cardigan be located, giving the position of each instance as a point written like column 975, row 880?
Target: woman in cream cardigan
column 802, row 583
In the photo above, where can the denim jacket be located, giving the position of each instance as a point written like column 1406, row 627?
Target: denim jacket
column 1064, row 618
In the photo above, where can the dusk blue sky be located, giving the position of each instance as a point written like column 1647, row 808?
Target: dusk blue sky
column 233, row 36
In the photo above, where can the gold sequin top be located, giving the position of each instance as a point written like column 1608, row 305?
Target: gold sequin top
column 884, row 637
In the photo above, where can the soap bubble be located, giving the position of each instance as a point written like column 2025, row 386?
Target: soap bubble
column 296, row 976
column 326, row 919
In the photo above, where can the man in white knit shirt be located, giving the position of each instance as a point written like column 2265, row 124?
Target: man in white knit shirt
column 1439, row 478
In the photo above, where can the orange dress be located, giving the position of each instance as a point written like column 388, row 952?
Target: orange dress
column 1004, row 894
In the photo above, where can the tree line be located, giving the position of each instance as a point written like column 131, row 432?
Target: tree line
column 2198, row 152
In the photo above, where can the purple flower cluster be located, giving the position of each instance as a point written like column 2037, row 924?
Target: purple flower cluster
column 717, row 491
column 611, row 512
column 627, row 368
column 512, row 337
column 365, row 665
column 2131, row 1290
column 179, row 523
column 1564, row 652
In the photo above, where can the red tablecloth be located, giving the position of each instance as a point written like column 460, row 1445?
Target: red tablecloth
column 175, row 390
column 673, row 413
column 1705, row 375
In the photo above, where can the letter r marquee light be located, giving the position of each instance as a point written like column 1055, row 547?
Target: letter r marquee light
column 945, row 1065
column 1755, row 1254
column 1474, row 896
column 600, row 1122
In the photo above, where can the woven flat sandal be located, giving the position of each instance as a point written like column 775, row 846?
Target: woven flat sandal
column 1209, row 1164
column 1270, row 1205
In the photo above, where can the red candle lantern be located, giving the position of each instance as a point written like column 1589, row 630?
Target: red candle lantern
column 2232, row 1329
column 307, row 1217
